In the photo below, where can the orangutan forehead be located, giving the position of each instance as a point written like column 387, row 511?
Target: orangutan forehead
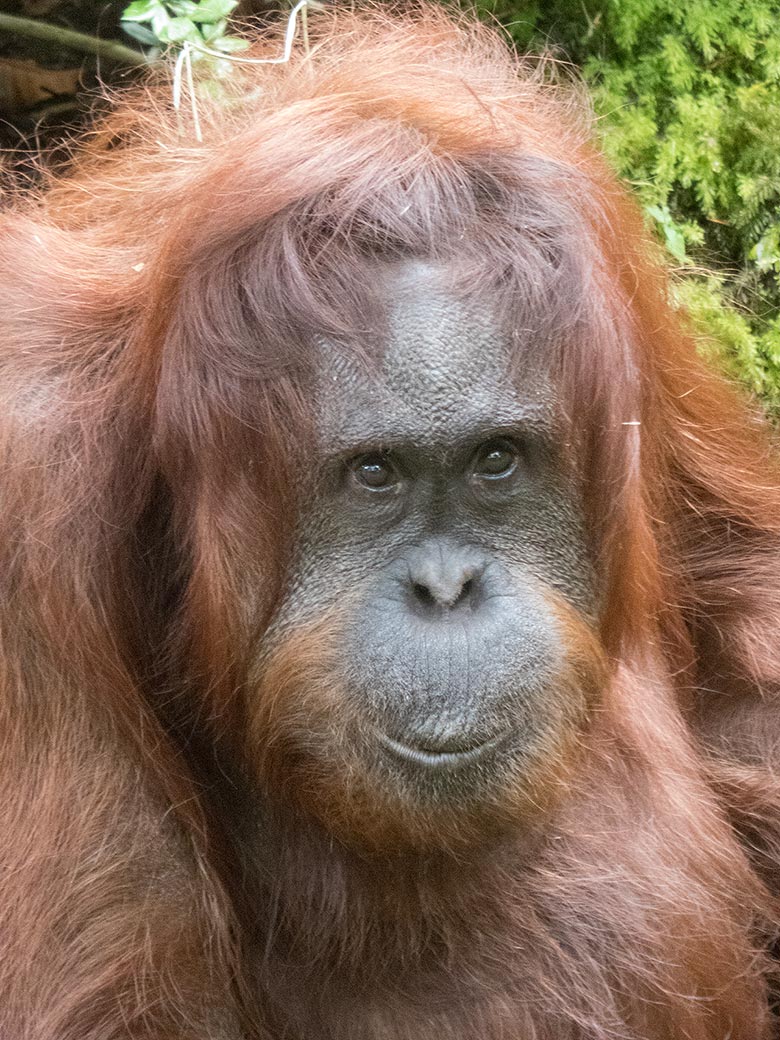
column 447, row 367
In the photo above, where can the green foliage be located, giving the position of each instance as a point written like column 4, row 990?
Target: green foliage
column 174, row 22
column 688, row 100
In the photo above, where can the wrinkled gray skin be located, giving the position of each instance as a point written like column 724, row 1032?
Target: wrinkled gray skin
column 450, row 647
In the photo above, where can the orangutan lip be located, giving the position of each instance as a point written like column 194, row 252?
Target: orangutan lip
column 433, row 759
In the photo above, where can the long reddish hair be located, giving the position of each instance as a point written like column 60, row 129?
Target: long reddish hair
column 159, row 307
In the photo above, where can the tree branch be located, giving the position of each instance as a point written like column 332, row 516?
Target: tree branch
column 75, row 41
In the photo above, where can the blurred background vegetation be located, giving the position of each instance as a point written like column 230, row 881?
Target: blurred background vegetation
column 687, row 96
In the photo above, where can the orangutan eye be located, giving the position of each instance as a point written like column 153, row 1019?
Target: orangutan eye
column 374, row 472
column 495, row 460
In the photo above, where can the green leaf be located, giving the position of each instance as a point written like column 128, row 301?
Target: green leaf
column 675, row 242
column 177, row 30
column 213, row 10
column 142, row 11
column 212, row 32
column 160, row 20
column 230, row 44
column 140, row 33
column 673, row 236
column 766, row 252
column 184, row 8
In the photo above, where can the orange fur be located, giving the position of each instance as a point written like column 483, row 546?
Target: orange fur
column 157, row 311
